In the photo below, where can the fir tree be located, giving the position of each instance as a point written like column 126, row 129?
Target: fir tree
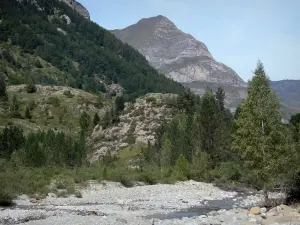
column 84, row 121
column 30, row 87
column 27, row 113
column 165, row 159
column 15, row 107
column 3, row 94
column 220, row 96
column 260, row 138
column 96, row 119
column 120, row 104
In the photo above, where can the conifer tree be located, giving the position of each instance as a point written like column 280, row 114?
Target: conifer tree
column 220, row 96
column 165, row 159
column 15, row 107
column 210, row 124
column 3, row 94
column 96, row 119
column 260, row 138
column 84, row 121
column 27, row 113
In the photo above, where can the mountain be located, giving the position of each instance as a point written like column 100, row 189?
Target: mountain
column 289, row 94
column 52, row 42
column 78, row 8
column 181, row 57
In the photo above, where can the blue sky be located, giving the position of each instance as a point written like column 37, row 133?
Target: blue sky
column 237, row 32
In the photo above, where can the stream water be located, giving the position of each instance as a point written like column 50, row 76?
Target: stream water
column 211, row 205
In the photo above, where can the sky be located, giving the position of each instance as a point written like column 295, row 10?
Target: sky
column 236, row 32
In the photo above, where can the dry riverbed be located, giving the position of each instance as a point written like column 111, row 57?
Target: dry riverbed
column 186, row 202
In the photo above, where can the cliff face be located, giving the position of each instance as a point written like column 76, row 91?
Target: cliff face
column 181, row 57
column 78, row 7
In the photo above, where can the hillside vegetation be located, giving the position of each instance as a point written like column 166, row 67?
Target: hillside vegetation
column 47, row 41
column 51, row 107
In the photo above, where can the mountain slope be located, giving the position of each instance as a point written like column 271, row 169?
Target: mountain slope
column 177, row 54
column 180, row 56
column 84, row 54
column 289, row 94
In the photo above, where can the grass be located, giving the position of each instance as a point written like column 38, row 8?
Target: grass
column 50, row 108
column 129, row 152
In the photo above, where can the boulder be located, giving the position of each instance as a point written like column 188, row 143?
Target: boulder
column 52, row 195
column 254, row 211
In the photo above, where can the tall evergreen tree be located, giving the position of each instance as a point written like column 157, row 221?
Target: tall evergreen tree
column 120, row 103
column 3, row 94
column 260, row 138
column 15, row 107
column 96, row 119
column 84, row 121
column 220, row 96
column 210, row 124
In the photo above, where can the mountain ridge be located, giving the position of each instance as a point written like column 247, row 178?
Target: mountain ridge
column 177, row 54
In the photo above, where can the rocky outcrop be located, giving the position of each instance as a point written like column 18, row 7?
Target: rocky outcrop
column 178, row 55
column 137, row 125
column 78, row 8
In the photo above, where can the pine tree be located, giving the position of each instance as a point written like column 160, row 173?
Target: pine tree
column 27, row 113
column 260, row 138
column 96, row 119
column 15, row 107
column 3, row 94
column 30, row 87
column 165, row 159
column 84, row 121
column 120, row 104
column 210, row 124
column 220, row 96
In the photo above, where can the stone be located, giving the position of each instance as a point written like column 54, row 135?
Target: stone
column 263, row 215
column 254, row 211
column 213, row 213
column 263, row 210
column 33, row 200
column 52, row 195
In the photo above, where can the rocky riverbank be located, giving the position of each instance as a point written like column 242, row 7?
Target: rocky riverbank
column 186, row 202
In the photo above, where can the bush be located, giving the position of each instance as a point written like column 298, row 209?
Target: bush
column 230, row 171
column 54, row 101
column 293, row 192
column 68, row 94
column 78, row 194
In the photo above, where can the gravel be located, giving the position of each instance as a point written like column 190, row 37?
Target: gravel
column 111, row 203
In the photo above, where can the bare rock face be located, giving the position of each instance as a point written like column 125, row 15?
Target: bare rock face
column 78, row 7
column 178, row 55
column 137, row 125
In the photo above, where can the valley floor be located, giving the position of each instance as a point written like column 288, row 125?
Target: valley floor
column 186, row 202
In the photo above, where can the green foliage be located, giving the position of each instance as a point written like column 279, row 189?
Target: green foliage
column 27, row 113
column 260, row 138
column 3, row 94
column 182, row 165
column 15, row 107
column 11, row 139
column 101, row 56
column 96, row 119
column 84, row 121
column 120, row 103
column 30, row 86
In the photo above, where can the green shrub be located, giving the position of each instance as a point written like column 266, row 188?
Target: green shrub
column 130, row 139
column 55, row 101
column 151, row 99
column 68, row 94
column 230, row 171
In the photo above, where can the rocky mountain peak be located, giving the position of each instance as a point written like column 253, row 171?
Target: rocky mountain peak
column 178, row 55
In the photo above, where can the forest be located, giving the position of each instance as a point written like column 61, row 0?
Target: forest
column 205, row 141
